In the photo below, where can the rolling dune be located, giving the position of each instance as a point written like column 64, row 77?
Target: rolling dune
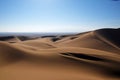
column 93, row 55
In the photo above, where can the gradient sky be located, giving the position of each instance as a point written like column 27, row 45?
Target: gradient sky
column 58, row 15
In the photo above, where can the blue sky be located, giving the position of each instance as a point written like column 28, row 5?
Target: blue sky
column 58, row 15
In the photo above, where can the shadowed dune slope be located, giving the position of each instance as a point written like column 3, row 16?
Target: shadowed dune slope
column 9, row 53
column 110, row 36
column 37, row 43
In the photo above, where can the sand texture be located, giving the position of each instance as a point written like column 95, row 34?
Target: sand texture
column 93, row 55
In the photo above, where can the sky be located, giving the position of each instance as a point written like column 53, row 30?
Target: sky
column 58, row 15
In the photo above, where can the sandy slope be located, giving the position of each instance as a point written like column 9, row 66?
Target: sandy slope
column 77, row 57
column 87, row 40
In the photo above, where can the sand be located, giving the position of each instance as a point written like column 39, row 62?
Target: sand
column 93, row 55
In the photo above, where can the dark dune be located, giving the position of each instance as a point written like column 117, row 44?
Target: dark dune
column 112, row 35
column 6, row 38
column 55, row 39
column 47, row 36
column 24, row 38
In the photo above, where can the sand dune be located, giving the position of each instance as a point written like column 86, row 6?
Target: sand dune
column 110, row 36
column 93, row 55
column 87, row 40
column 11, row 39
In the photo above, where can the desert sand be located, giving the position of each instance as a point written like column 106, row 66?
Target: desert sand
column 93, row 55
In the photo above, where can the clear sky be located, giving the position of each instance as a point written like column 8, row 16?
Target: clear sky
column 58, row 15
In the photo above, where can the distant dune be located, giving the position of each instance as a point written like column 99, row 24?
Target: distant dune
column 93, row 55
